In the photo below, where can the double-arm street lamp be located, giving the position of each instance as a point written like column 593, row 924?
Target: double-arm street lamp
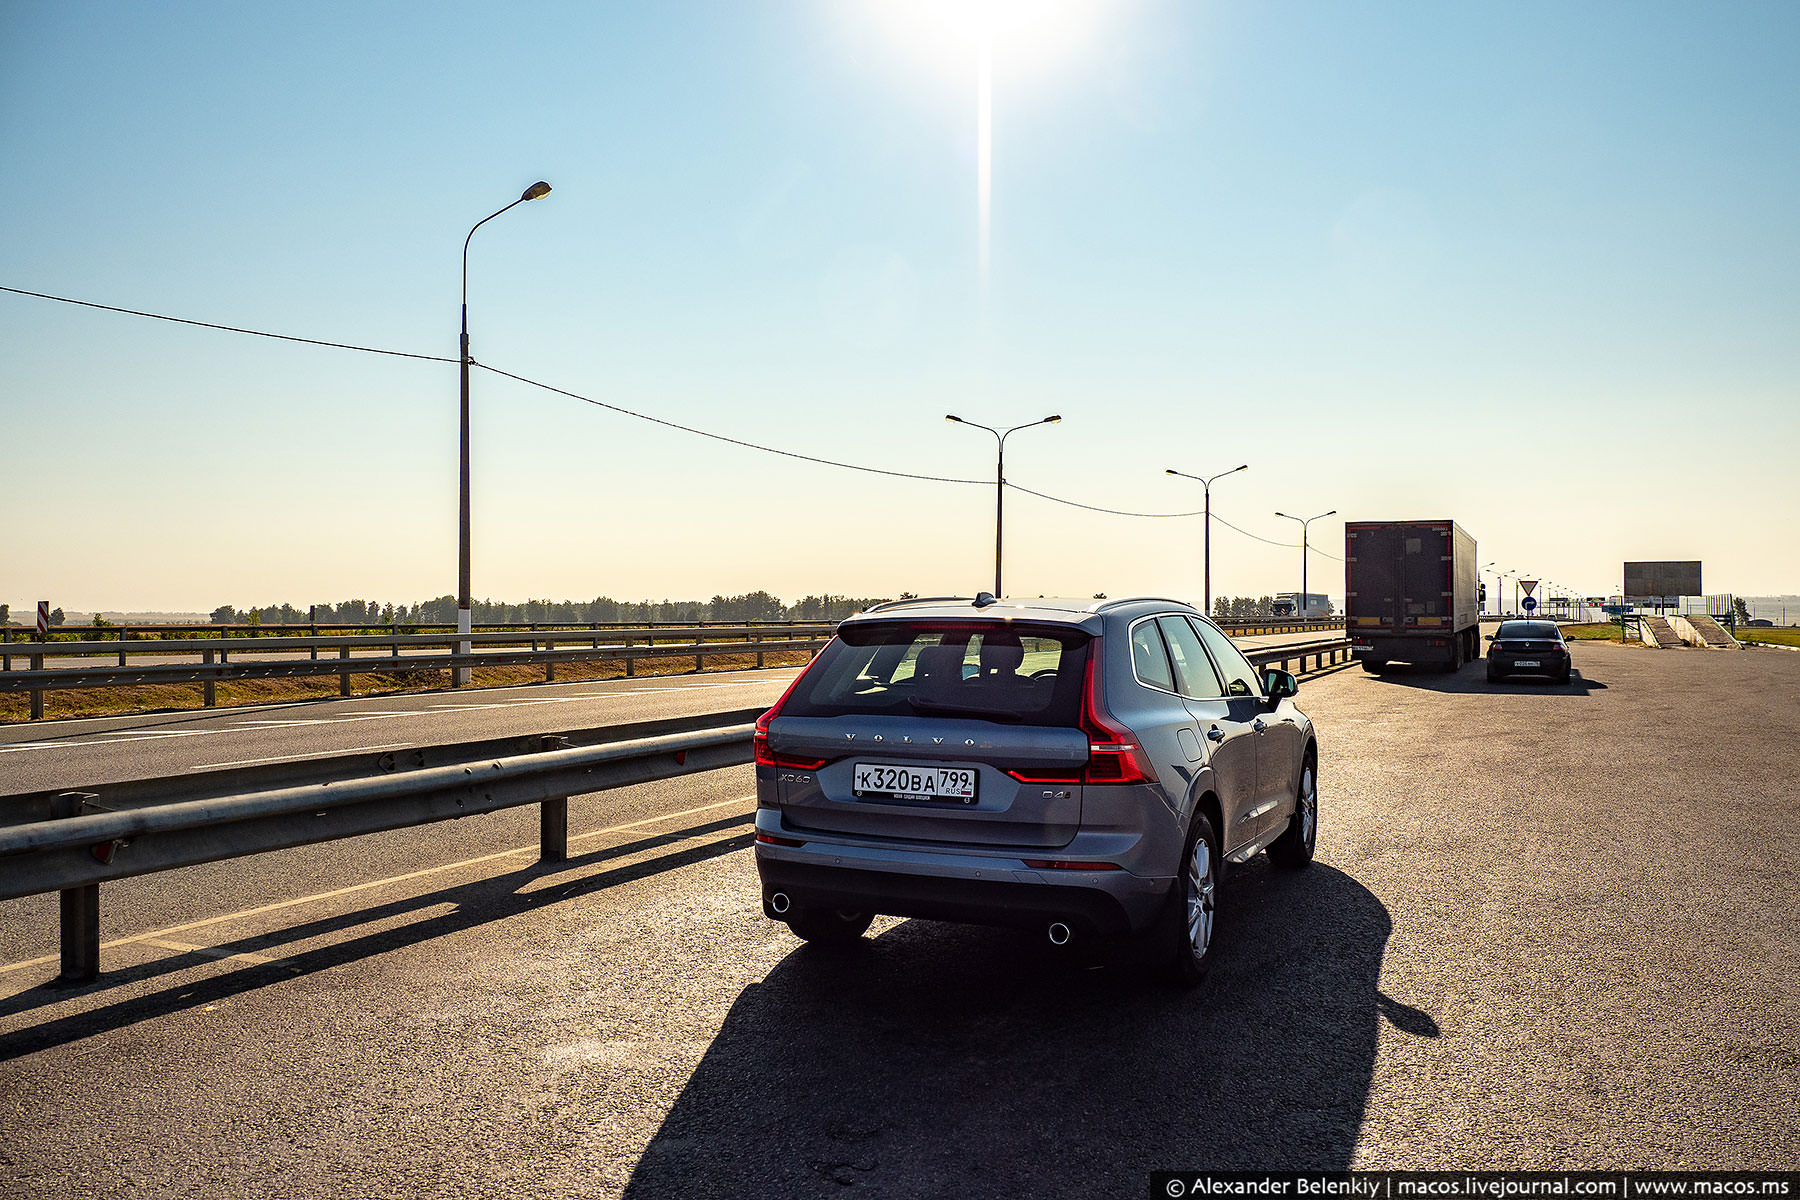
column 464, row 603
column 1000, row 481
column 1206, row 482
column 1300, row 608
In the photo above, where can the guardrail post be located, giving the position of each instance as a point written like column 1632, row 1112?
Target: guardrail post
column 344, row 672
column 759, row 652
column 549, row 667
column 698, row 666
column 37, row 694
column 206, row 685
column 80, row 914
column 553, row 830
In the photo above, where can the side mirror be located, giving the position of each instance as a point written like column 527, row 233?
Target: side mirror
column 1487, row 637
column 1279, row 684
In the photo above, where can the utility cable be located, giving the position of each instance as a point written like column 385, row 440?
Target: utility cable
column 281, row 337
column 720, row 437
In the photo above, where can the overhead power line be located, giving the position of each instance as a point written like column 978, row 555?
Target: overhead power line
column 720, row 437
column 641, row 416
column 280, row 337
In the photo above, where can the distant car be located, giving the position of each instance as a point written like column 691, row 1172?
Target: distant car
column 1084, row 769
column 1527, row 648
column 1761, row 623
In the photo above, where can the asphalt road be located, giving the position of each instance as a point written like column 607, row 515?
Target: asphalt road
column 1549, row 926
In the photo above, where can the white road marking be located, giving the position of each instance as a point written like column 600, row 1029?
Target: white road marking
column 155, row 935
column 246, row 762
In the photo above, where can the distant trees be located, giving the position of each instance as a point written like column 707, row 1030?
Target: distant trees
column 604, row 610
column 1243, row 608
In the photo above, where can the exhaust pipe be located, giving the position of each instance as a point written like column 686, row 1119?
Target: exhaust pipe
column 1059, row 934
column 779, row 903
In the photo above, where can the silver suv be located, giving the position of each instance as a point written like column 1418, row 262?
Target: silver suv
column 1084, row 769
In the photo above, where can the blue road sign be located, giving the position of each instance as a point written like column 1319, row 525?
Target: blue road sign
column 1529, row 603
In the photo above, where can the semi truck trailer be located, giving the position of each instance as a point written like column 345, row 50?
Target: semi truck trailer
column 1412, row 593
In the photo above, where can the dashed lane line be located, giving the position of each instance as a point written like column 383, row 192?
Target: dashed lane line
column 155, row 936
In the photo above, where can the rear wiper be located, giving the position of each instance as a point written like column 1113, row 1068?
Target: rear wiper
column 939, row 708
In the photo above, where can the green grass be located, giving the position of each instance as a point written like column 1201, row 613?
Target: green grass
column 1775, row 637
column 1607, row 631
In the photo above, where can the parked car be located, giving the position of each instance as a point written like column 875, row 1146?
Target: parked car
column 1080, row 768
column 1527, row 648
column 1761, row 623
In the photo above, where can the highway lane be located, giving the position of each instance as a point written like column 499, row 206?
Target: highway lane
column 70, row 753
column 1549, row 926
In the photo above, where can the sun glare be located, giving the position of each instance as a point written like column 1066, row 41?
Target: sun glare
column 1016, row 39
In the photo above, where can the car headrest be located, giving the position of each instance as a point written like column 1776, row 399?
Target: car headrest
column 1001, row 652
column 939, row 664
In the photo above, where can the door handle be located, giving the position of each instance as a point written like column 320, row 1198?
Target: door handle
column 1215, row 735
column 1259, row 725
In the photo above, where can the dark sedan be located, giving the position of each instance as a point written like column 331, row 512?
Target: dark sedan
column 1527, row 648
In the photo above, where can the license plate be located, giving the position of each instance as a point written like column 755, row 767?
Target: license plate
column 892, row 781
column 1526, row 662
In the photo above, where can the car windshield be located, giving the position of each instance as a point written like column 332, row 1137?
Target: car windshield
column 1535, row 630
column 1009, row 672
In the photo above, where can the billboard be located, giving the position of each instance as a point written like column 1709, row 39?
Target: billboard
column 1653, row 579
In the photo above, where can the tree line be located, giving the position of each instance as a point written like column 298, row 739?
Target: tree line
column 752, row 606
column 1243, row 608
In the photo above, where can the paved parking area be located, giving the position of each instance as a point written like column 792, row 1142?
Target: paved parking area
column 1549, row 925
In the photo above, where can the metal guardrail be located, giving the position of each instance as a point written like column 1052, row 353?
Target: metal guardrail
column 548, row 647
column 140, row 827
column 1335, row 649
column 386, row 654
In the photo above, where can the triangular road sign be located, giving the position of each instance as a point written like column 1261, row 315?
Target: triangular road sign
column 1525, row 585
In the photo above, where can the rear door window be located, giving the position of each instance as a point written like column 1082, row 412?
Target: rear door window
column 1149, row 661
column 997, row 672
column 1193, row 670
column 1240, row 677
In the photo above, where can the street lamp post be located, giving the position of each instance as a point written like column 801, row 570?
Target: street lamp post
column 464, row 602
column 1000, row 481
column 1300, row 608
column 1206, row 482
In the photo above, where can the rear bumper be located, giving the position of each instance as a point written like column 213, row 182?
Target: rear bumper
column 1549, row 664
column 1420, row 649
column 943, row 882
column 1089, row 911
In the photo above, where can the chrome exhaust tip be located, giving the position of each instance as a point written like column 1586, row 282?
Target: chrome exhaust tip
column 779, row 903
column 1059, row 934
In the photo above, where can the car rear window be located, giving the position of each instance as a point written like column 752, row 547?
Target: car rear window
column 1542, row 630
column 1009, row 672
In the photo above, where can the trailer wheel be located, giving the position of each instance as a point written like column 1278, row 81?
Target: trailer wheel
column 1374, row 666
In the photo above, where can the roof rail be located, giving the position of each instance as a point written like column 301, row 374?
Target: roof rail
column 1101, row 605
column 913, row 600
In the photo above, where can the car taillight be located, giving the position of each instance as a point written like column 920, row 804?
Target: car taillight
column 766, row 757
column 1113, row 754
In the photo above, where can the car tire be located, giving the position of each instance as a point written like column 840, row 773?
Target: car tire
column 1294, row 848
column 828, row 926
column 1493, row 675
column 1564, row 677
column 1374, row 666
column 1183, row 941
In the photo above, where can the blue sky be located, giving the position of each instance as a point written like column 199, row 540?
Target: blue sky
column 1529, row 266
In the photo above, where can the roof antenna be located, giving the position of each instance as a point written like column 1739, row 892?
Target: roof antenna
column 983, row 599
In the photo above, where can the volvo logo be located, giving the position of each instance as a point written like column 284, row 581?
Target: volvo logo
column 850, row 737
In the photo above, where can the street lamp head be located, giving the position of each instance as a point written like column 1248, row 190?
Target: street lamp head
column 953, row 417
column 536, row 191
column 1282, row 514
column 1053, row 419
column 1235, row 470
